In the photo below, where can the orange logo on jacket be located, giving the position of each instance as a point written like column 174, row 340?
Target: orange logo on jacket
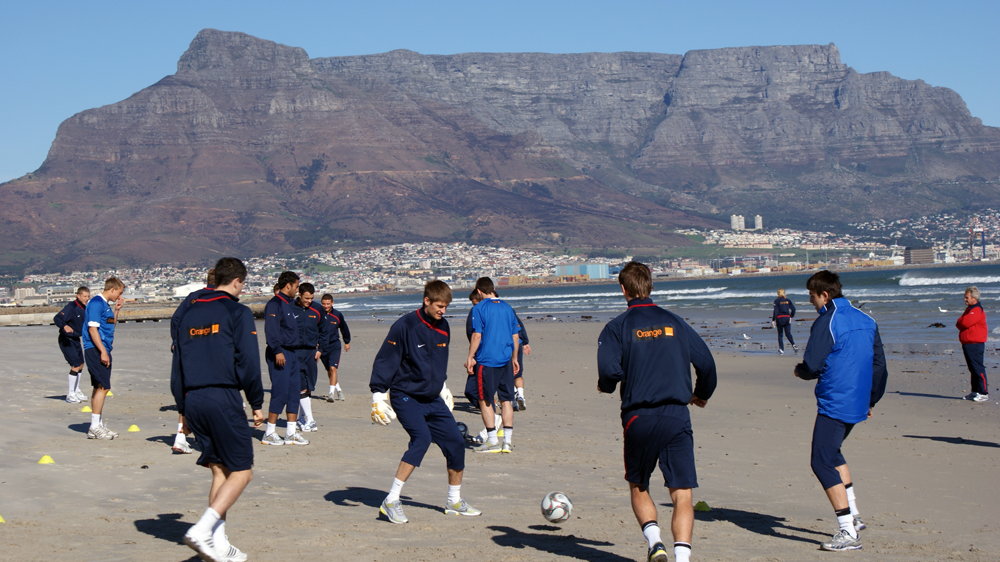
column 651, row 333
column 206, row 331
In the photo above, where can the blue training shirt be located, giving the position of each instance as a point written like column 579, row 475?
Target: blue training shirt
column 100, row 315
column 496, row 322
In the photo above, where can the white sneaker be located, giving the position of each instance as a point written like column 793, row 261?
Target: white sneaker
column 272, row 439
column 182, row 448
column 296, row 439
column 309, row 426
column 234, row 554
column 976, row 397
column 203, row 544
column 72, row 399
column 113, row 433
column 81, row 395
column 100, row 432
column 340, row 395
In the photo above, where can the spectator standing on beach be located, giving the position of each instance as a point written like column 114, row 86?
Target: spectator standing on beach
column 973, row 333
column 781, row 320
column 336, row 329
column 181, row 445
column 101, row 317
column 845, row 357
column 69, row 320
column 217, row 357
column 491, row 364
column 312, row 331
column 408, row 383
column 281, row 332
column 650, row 351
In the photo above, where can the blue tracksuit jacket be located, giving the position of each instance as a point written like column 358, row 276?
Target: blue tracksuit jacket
column 413, row 358
column 311, row 328
column 650, row 350
column 181, row 309
column 845, row 353
column 281, row 331
column 217, row 346
column 71, row 315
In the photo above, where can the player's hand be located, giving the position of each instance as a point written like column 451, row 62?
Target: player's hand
column 119, row 304
column 470, row 364
column 382, row 413
column 698, row 401
column 105, row 358
column 258, row 418
column 774, row 324
column 515, row 365
column 527, row 348
column 347, row 347
column 68, row 329
column 279, row 360
column 448, row 398
column 318, row 354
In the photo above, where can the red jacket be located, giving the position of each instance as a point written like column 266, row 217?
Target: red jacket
column 972, row 325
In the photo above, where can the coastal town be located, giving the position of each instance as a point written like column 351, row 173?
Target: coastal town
column 746, row 248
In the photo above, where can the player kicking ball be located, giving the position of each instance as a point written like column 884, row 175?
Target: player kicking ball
column 408, row 384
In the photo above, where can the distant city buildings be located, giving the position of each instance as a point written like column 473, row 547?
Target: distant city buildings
column 738, row 222
column 592, row 270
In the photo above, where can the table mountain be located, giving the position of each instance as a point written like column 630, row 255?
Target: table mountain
column 252, row 147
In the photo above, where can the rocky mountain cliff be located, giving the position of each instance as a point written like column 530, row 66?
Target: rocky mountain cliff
column 252, row 147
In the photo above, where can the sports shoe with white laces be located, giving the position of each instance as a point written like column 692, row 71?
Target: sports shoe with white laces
column 393, row 512
column 308, row 426
column 72, row 399
column 340, row 395
column 296, row 439
column 272, row 439
column 795, row 347
column 182, row 448
column 331, row 397
column 859, row 524
column 657, row 553
column 520, row 403
column 100, row 432
column 842, row 541
column 461, row 508
column 81, row 395
column 203, row 544
column 507, row 447
column 490, row 448
column 234, row 554
column 113, row 433
column 976, row 397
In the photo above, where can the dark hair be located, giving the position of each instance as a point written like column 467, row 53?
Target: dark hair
column 437, row 291
column 82, row 288
column 210, row 278
column 485, row 285
column 637, row 280
column 825, row 282
column 326, row 297
column 307, row 288
column 475, row 297
column 286, row 278
column 228, row 270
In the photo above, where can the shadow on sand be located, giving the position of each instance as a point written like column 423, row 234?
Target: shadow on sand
column 167, row 527
column 925, row 395
column 370, row 497
column 955, row 440
column 759, row 523
column 570, row 546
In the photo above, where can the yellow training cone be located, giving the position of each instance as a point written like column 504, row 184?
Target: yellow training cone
column 111, row 393
column 46, row 460
column 133, row 428
column 86, row 409
column 1, row 519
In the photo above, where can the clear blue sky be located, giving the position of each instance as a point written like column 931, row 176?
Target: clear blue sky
column 61, row 57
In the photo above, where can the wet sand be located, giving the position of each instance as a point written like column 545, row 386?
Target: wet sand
column 924, row 465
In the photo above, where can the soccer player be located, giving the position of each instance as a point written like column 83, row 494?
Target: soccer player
column 781, row 320
column 336, row 327
column 181, row 445
column 312, row 331
column 69, row 320
column 491, row 364
column 650, row 351
column 281, row 332
column 101, row 319
column 845, row 356
column 408, row 383
column 972, row 334
column 523, row 349
column 217, row 357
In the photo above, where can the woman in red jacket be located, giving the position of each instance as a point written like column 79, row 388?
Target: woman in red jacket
column 973, row 333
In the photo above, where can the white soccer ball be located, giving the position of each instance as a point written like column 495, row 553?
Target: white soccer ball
column 556, row 507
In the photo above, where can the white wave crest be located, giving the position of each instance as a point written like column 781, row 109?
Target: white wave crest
column 916, row 280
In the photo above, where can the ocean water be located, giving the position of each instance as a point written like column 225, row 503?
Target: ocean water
column 910, row 305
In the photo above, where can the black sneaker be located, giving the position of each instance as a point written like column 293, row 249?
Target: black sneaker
column 658, row 553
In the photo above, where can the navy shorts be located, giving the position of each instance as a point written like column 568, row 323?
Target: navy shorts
column 72, row 350
column 286, row 383
column 828, row 436
column 218, row 421
column 307, row 368
column 100, row 376
column 485, row 381
column 667, row 439
column 426, row 423
column 331, row 359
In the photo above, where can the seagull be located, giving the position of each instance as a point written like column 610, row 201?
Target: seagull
column 941, row 309
column 746, row 337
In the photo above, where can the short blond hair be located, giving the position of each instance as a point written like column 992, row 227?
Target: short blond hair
column 781, row 292
column 113, row 283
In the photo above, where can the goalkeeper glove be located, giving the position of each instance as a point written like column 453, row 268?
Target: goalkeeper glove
column 381, row 411
column 449, row 400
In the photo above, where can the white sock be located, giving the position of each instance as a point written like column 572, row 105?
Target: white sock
column 395, row 490
column 290, row 429
column 519, row 392
column 454, row 494
column 846, row 523
column 72, row 382
column 305, row 409
column 219, row 536
column 652, row 533
column 508, row 434
column 332, row 388
column 207, row 522
column 337, row 386
column 79, row 377
column 682, row 552
column 271, row 428
column 852, row 501
column 95, row 421
column 180, row 431
column 491, row 435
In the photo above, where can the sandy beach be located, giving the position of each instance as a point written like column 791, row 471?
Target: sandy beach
column 923, row 465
